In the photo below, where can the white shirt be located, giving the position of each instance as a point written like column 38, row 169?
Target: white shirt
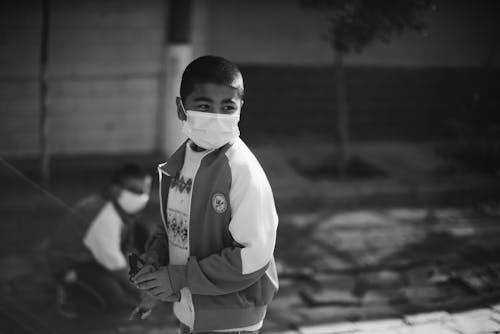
column 103, row 238
column 178, row 211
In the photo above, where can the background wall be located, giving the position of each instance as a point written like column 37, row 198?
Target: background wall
column 107, row 63
column 386, row 103
column 105, row 60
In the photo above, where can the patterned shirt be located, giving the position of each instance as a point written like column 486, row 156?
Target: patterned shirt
column 177, row 223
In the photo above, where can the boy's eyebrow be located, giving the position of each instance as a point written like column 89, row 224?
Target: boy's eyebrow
column 207, row 99
column 203, row 99
column 231, row 100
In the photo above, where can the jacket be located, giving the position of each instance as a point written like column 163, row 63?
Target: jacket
column 231, row 271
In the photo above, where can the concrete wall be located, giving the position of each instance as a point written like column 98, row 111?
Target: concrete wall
column 105, row 64
column 385, row 103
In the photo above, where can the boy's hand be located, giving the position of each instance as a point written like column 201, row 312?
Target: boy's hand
column 149, row 264
column 146, row 269
column 157, row 283
column 135, row 264
column 150, row 258
column 145, row 307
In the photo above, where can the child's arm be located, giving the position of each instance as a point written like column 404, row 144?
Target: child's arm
column 253, row 227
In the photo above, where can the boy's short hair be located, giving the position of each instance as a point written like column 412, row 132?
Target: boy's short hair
column 127, row 171
column 210, row 69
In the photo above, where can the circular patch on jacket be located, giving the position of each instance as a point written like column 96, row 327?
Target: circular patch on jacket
column 219, row 203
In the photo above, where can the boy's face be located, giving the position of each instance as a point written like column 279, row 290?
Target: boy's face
column 133, row 195
column 212, row 98
column 138, row 186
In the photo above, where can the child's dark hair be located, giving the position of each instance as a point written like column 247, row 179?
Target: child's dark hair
column 210, row 69
column 127, row 171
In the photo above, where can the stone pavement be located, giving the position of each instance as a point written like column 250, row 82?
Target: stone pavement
column 484, row 320
column 347, row 269
column 410, row 251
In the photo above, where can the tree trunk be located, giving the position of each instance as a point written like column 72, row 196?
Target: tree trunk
column 42, row 81
column 342, row 115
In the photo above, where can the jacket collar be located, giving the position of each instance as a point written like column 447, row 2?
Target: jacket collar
column 176, row 160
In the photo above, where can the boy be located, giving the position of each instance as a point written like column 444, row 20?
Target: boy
column 214, row 255
column 87, row 251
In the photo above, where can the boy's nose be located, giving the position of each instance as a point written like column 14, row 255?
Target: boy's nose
column 217, row 109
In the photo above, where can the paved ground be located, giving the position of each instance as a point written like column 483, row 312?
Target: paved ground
column 388, row 263
column 411, row 250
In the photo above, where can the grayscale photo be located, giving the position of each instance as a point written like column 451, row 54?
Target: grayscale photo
column 249, row 166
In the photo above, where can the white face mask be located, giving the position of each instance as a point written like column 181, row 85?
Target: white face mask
column 210, row 130
column 132, row 203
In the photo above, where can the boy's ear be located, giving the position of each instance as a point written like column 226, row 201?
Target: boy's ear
column 181, row 114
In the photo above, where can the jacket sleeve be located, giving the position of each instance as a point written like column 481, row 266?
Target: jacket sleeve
column 157, row 245
column 253, row 227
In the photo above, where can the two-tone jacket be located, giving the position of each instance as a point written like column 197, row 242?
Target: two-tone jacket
column 230, row 272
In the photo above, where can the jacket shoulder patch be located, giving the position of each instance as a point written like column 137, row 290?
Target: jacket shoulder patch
column 219, row 203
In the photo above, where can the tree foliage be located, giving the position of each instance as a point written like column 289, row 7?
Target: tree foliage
column 356, row 24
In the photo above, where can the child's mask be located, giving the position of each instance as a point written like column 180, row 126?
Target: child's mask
column 209, row 130
column 132, row 203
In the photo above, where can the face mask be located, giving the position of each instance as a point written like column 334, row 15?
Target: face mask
column 209, row 130
column 132, row 203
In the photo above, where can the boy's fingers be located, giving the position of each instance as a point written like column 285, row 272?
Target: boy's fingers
column 161, row 295
column 148, row 268
column 166, row 297
column 155, row 291
column 147, row 258
column 144, row 276
column 172, row 298
column 148, row 285
column 140, row 311
column 134, row 313
column 146, row 314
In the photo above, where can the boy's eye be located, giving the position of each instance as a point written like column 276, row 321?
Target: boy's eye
column 135, row 190
column 202, row 107
column 229, row 108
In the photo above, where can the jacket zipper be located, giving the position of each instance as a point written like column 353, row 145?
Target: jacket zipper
column 161, row 198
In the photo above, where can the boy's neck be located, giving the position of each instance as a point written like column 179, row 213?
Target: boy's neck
column 195, row 147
